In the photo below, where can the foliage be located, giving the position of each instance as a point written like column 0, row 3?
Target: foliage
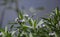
column 48, row 27
column 53, row 22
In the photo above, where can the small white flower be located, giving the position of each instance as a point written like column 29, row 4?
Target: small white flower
column 52, row 33
column 26, row 15
column 1, row 33
column 16, row 19
column 42, row 25
column 22, row 20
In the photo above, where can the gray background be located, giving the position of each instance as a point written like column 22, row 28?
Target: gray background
column 10, row 14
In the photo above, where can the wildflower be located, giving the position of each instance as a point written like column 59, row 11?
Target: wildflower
column 42, row 25
column 19, row 20
column 26, row 15
column 23, row 20
column 16, row 19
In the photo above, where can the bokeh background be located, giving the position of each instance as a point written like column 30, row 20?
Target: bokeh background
column 30, row 7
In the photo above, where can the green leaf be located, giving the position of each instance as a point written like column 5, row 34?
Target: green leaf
column 31, row 22
column 11, row 26
column 57, row 11
column 35, row 23
column 20, row 15
column 13, row 32
column 2, row 30
column 47, row 19
column 40, row 22
column 25, row 26
column 30, row 35
column 6, row 29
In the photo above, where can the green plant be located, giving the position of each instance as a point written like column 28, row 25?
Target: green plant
column 6, row 33
column 53, row 22
column 47, row 27
column 33, row 30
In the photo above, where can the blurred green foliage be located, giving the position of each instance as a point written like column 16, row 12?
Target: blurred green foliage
column 48, row 27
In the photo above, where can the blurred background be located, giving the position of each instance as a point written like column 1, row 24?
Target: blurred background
column 38, row 8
